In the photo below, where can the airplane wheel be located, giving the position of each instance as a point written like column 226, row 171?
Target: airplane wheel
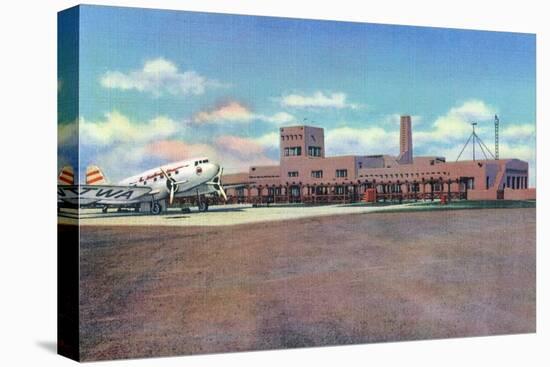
column 155, row 208
column 203, row 206
column 104, row 210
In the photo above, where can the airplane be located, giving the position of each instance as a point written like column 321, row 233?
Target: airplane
column 151, row 189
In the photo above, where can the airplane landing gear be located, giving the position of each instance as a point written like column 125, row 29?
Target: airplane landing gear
column 203, row 206
column 155, row 208
column 104, row 209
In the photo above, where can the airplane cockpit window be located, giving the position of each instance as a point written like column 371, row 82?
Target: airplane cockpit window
column 145, row 182
column 176, row 172
column 196, row 163
column 205, row 161
column 155, row 179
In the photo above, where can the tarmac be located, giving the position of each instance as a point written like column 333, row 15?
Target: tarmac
column 221, row 215
column 236, row 214
column 199, row 286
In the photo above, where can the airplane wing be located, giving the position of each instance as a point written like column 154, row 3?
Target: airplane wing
column 101, row 194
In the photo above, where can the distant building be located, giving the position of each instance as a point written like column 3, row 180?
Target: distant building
column 306, row 174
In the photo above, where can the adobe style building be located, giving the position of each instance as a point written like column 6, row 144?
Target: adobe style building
column 306, row 174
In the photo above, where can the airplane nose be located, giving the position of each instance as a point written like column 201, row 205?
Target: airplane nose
column 213, row 169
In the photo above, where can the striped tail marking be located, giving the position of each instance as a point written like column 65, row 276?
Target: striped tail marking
column 66, row 176
column 94, row 176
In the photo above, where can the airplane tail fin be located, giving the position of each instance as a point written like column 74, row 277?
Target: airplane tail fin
column 94, row 176
column 66, row 176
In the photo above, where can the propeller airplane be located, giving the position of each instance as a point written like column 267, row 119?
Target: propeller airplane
column 190, row 178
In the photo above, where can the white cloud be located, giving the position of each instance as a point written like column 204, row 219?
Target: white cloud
column 473, row 110
column 278, row 118
column 268, row 141
column 318, row 99
column 159, row 76
column 117, row 128
column 361, row 141
column 227, row 112
column 237, row 112
column 455, row 125
column 523, row 131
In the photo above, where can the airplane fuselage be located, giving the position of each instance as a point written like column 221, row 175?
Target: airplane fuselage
column 191, row 175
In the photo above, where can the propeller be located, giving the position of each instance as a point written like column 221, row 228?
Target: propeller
column 222, row 191
column 171, row 185
column 217, row 183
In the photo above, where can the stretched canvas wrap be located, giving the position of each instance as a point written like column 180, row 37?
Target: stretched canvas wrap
column 233, row 183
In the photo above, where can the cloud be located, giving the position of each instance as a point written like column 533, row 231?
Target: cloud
column 244, row 148
column 278, row 118
column 268, row 141
column 455, row 125
column 237, row 112
column 117, row 128
column 159, row 77
column 473, row 110
column 516, row 132
column 235, row 154
column 232, row 111
column 361, row 141
column 318, row 100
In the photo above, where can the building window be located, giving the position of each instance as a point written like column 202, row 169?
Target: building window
column 293, row 174
column 314, row 151
column 317, row 174
column 507, row 181
column 487, row 183
column 339, row 190
column 293, row 151
column 341, row 173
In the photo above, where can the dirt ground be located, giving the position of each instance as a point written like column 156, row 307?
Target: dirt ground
column 155, row 291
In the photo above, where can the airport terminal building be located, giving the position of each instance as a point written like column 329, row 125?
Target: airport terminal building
column 305, row 174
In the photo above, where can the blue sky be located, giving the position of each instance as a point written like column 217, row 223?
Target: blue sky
column 157, row 85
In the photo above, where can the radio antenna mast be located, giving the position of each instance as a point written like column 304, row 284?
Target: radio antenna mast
column 475, row 139
column 497, row 122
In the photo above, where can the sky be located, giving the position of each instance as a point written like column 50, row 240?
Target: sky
column 156, row 86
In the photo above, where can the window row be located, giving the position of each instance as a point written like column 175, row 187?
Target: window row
column 293, row 151
column 516, row 182
column 319, row 173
